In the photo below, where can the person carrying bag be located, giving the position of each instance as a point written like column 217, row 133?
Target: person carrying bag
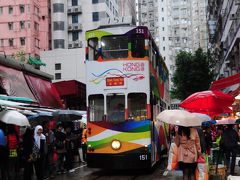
column 188, row 143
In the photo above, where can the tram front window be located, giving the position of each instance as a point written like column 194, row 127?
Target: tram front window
column 137, row 103
column 114, row 47
column 115, row 107
column 93, row 49
column 96, row 107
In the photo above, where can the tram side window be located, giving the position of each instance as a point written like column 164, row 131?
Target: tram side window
column 115, row 107
column 114, row 47
column 96, row 107
column 137, row 104
column 93, row 49
column 138, row 45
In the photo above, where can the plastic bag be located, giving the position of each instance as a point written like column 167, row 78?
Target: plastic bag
column 202, row 169
column 172, row 157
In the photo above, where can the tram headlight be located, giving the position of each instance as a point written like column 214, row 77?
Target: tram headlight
column 116, row 144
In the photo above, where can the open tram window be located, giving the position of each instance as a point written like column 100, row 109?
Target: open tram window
column 114, row 47
column 96, row 107
column 137, row 103
column 93, row 49
column 138, row 45
column 115, row 107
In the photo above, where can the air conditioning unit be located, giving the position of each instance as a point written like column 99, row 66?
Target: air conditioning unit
column 75, row 27
column 69, row 27
column 76, row 44
column 237, row 2
column 69, row 10
column 70, row 45
column 76, row 9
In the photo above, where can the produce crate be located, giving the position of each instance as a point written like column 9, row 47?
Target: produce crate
column 220, row 171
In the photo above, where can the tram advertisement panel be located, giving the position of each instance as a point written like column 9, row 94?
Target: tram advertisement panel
column 128, row 75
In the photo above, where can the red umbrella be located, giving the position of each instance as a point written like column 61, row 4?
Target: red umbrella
column 208, row 102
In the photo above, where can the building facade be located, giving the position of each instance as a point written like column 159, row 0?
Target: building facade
column 24, row 27
column 72, row 18
column 224, row 29
column 188, row 28
column 127, row 8
column 147, row 15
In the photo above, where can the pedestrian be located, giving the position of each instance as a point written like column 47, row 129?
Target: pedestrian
column 188, row 143
column 69, row 149
column 84, row 143
column 202, row 139
column 60, row 140
column 49, row 164
column 3, row 156
column 40, row 141
column 229, row 145
column 12, row 145
column 28, row 141
column 208, row 139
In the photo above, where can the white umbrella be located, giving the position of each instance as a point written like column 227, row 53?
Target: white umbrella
column 67, row 115
column 84, row 119
column 226, row 121
column 13, row 117
column 180, row 118
column 203, row 116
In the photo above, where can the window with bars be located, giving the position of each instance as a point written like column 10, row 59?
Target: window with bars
column 58, row 7
column 74, row 2
column 22, row 41
column 22, row 8
column 10, row 10
column 10, row 25
column 22, row 24
column 58, row 66
column 58, row 43
column 95, row 16
column 58, row 25
column 10, row 41
column 57, row 76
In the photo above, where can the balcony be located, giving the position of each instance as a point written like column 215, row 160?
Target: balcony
column 75, row 10
column 75, row 27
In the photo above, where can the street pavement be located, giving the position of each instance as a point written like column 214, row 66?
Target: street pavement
column 85, row 173
column 82, row 172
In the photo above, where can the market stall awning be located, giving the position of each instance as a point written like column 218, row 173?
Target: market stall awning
column 71, row 87
column 15, row 98
column 35, row 61
column 225, row 82
column 18, row 84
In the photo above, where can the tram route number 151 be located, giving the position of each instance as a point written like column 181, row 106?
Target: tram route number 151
column 143, row 157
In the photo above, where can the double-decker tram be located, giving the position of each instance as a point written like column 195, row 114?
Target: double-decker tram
column 127, row 86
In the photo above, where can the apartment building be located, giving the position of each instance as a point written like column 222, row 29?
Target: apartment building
column 70, row 20
column 188, row 27
column 224, row 26
column 147, row 15
column 24, row 27
column 127, row 8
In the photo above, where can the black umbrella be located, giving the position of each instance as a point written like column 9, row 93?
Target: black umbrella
column 67, row 115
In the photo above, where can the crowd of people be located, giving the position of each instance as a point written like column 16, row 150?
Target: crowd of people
column 192, row 143
column 42, row 151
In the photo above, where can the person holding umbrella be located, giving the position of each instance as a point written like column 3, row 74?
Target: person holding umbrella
column 189, row 149
column 229, row 145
